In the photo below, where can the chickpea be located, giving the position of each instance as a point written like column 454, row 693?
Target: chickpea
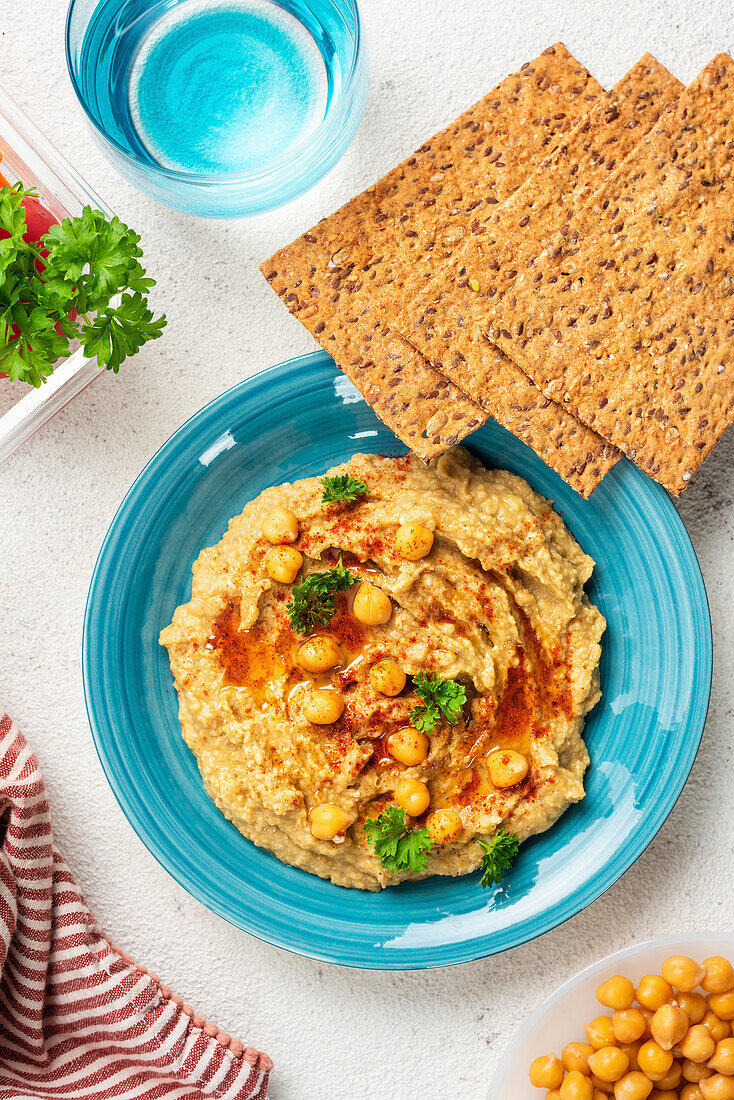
column 722, row 1004
column 629, row 1024
column 609, row 1064
column 633, row 1086
column 600, row 1032
column 328, row 821
column 717, row 1088
column 507, row 768
column 408, row 746
column 444, row 826
column 318, row 654
column 554, row 1094
column 654, row 1062
column 412, row 796
column 282, row 563
column 695, row 1071
column 691, row 1092
column 669, row 1025
column 280, row 525
column 576, row 1087
column 413, row 541
column 658, row 1094
column 671, row 1079
column 694, row 1006
column 576, row 1056
column 616, row 993
column 546, row 1072
column 719, row 975
column 683, row 973
column 653, row 992
column 697, row 1045
column 323, row 706
column 598, row 1094
column 387, row 677
column 723, row 1058
column 719, row 1029
column 371, row 606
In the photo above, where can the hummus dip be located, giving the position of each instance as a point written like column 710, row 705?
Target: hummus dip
column 496, row 603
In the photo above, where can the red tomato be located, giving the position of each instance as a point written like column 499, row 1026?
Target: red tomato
column 38, row 220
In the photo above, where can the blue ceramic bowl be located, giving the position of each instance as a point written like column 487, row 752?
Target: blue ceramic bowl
column 297, row 419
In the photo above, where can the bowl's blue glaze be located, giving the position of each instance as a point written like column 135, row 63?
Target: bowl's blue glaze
column 297, row 419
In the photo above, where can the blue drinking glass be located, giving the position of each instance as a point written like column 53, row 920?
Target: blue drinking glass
column 220, row 108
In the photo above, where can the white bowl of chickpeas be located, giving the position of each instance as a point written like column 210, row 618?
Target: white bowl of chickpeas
column 652, row 1022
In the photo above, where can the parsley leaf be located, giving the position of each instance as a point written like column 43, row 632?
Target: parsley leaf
column 499, row 855
column 385, row 833
column 397, row 847
column 87, row 262
column 413, row 849
column 12, row 220
column 36, row 345
column 342, row 487
column 424, row 719
column 98, row 256
column 119, row 331
column 440, row 697
column 313, row 601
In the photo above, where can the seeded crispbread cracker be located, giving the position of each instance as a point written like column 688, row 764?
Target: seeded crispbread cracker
column 327, row 277
column 628, row 315
column 447, row 322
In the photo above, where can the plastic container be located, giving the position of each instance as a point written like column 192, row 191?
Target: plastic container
column 102, row 37
column 29, row 157
column 561, row 1018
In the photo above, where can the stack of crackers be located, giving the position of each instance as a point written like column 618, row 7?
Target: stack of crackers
column 560, row 258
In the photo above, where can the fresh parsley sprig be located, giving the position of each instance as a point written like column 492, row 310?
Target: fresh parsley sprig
column 499, row 855
column 313, row 601
column 397, row 847
column 60, row 289
column 440, row 698
column 342, row 487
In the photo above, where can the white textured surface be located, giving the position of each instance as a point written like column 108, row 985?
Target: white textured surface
column 334, row 1034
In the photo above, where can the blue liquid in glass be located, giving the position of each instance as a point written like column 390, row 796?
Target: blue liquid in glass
column 208, row 86
column 221, row 86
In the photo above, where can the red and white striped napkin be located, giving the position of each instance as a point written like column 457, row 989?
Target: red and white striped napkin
column 78, row 1019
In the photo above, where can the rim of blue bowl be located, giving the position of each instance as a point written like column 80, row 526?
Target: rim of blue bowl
column 336, row 125
column 481, row 947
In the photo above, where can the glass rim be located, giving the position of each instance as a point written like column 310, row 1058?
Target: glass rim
column 317, row 145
